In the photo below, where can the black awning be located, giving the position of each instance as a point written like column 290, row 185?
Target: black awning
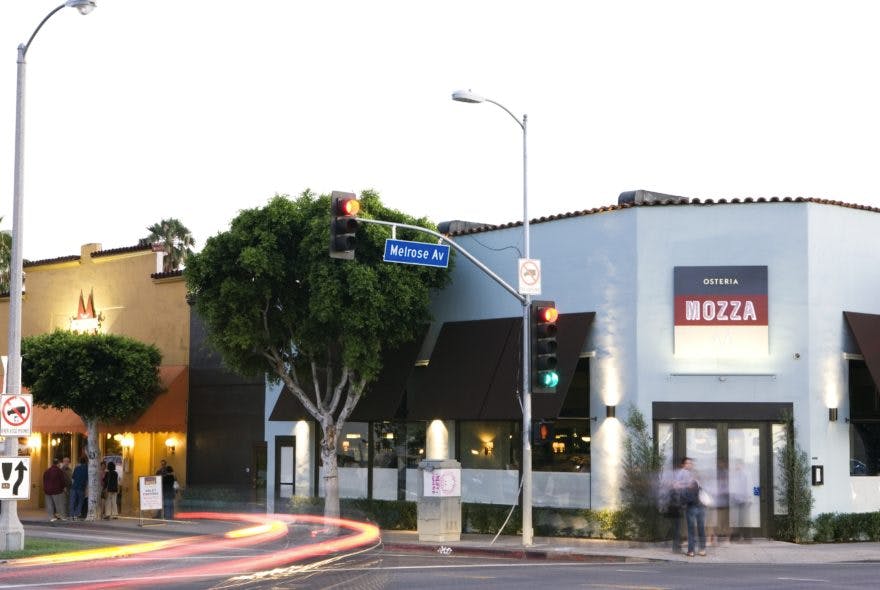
column 475, row 371
column 865, row 328
column 463, row 365
column 381, row 399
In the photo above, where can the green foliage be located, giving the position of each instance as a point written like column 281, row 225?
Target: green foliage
column 640, row 517
column 840, row 528
column 37, row 546
column 488, row 518
column 268, row 285
column 102, row 377
column 5, row 259
column 796, row 496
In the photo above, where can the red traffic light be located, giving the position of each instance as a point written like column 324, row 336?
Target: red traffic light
column 348, row 206
column 548, row 314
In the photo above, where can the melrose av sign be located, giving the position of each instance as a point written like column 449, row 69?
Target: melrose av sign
column 721, row 311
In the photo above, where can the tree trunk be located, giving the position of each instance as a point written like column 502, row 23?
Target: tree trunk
column 94, row 462
column 329, row 468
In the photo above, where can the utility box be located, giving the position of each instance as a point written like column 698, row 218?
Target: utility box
column 439, row 505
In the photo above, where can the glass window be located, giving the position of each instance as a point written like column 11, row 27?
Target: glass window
column 864, row 404
column 490, row 445
column 567, row 450
column 353, row 445
column 415, row 443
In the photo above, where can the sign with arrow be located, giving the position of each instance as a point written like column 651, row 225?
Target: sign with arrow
column 15, row 478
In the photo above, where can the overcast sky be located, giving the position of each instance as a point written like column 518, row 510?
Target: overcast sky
column 197, row 109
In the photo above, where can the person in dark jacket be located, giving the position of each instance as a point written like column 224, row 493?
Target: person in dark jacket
column 111, row 488
column 79, row 481
column 169, row 491
column 54, row 483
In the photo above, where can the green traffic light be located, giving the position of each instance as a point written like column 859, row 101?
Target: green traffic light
column 549, row 379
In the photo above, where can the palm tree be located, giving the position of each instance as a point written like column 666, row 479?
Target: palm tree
column 176, row 241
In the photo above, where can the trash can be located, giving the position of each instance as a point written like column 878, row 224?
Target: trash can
column 439, row 504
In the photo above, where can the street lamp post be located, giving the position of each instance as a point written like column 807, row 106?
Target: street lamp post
column 469, row 97
column 11, row 530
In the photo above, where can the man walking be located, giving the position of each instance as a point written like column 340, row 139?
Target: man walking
column 53, row 486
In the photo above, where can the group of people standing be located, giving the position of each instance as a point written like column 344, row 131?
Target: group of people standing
column 65, row 489
column 683, row 497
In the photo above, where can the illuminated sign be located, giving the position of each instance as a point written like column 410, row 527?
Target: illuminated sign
column 721, row 311
column 86, row 321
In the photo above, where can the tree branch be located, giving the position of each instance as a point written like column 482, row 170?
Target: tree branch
column 354, row 395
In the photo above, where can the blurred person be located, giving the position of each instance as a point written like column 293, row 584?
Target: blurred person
column 169, row 491
column 670, row 507
column 111, row 489
column 67, row 470
column 740, row 497
column 721, row 531
column 53, row 487
column 79, row 480
column 163, row 466
column 688, row 487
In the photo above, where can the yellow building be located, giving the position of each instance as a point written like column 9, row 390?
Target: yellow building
column 120, row 291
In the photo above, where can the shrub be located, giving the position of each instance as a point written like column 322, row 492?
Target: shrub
column 796, row 496
column 640, row 517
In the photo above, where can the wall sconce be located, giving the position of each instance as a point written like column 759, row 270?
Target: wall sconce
column 35, row 441
column 832, row 414
column 171, row 444
column 610, row 411
column 818, row 474
column 488, row 448
column 54, row 442
column 128, row 441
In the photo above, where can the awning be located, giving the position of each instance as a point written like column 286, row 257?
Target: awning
column 166, row 414
column 865, row 328
column 381, row 399
column 475, row 371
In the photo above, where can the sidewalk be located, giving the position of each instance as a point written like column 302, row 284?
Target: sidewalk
column 545, row 548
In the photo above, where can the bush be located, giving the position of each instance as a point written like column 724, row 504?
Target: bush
column 640, row 518
column 841, row 528
column 796, row 497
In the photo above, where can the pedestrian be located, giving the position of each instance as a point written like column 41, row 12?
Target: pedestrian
column 79, row 480
column 67, row 470
column 169, row 491
column 740, row 497
column 111, row 488
column 688, row 487
column 163, row 465
column 53, row 488
column 670, row 506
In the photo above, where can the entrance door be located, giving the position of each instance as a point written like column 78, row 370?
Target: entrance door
column 285, row 466
column 731, row 461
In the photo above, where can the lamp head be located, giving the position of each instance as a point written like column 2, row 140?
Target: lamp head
column 84, row 6
column 466, row 96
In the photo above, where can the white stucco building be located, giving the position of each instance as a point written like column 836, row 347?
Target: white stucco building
column 715, row 319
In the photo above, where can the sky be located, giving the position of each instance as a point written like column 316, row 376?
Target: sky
column 196, row 110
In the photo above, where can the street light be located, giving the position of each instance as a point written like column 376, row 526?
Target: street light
column 11, row 530
column 469, row 97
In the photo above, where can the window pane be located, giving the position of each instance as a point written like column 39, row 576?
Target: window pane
column 490, row 445
column 864, row 400
column 568, row 451
column 864, row 448
column 352, row 449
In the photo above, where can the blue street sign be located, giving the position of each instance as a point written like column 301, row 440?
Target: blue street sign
column 420, row 253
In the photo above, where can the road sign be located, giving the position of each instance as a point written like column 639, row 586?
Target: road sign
column 529, row 276
column 15, row 478
column 16, row 414
column 419, row 253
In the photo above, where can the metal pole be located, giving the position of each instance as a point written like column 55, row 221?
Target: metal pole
column 526, row 386
column 11, row 529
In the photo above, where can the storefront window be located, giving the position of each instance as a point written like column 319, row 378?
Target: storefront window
column 864, row 402
column 490, row 445
column 567, row 450
column 353, row 445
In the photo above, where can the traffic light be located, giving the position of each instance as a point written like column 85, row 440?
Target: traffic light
column 344, row 208
column 545, row 378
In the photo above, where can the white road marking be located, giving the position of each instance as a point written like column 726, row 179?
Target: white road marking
column 802, row 580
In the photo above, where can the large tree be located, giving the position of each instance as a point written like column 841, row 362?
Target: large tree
column 177, row 242
column 5, row 259
column 275, row 303
column 101, row 377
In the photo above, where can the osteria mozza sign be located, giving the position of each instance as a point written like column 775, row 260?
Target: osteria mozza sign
column 721, row 311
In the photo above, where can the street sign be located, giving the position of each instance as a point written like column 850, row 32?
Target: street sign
column 529, row 276
column 16, row 414
column 15, row 478
column 419, row 253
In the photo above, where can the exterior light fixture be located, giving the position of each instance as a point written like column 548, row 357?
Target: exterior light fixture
column 171, row 444
column 832, row 414
column 610, row 411
column 83, row 6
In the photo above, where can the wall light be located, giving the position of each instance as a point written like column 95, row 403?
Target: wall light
column 171, row 444
column 35, row 441
column 832, row 414
column 610, row 411
column 127, row 441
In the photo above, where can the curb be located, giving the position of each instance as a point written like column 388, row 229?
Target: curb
column 523, row 554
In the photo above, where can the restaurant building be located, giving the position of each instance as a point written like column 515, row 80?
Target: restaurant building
column 717, row 319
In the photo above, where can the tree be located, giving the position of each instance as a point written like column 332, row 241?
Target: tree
column 176, row 240
column 5, row 259
column 274, row 303
column 795, row 494
column 101, row 377
column 642, row 462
